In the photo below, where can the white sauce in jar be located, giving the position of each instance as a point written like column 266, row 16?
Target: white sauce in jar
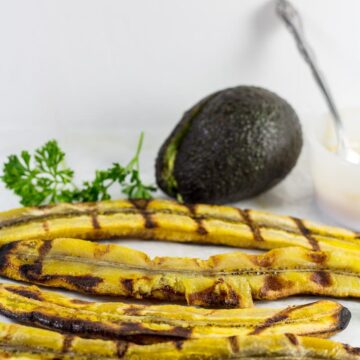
column 337, row 182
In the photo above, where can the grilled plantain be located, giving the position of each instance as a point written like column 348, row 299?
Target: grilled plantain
column 168, row 220
column 20, row 342
column 30, row 305
column 227, row 280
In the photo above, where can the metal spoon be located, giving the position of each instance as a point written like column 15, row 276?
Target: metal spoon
column 294, row 24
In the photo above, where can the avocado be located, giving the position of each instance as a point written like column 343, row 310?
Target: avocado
column 232, row 145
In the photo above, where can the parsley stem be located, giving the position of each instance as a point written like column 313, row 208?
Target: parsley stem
column 135, row 160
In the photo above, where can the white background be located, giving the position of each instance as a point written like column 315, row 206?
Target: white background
column 118, row 63
column 92, row 74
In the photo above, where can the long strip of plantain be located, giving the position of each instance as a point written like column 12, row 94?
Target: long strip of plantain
column 20, row 342
column 168, row 220
column 30, row 305
column 227, row 280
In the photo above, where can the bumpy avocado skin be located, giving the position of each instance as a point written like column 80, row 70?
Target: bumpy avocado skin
column 234, row 144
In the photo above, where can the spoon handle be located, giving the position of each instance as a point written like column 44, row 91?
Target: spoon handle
column 293, row 22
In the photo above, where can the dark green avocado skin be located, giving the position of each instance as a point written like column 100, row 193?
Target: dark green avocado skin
column 241, row 142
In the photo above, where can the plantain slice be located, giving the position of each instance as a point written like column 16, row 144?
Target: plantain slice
column 30, row 305
column 20, row 342
column 227, row 280
column 168, row 220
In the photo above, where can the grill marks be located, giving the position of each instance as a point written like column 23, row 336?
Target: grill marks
column 200, row 226
column 270, row 322
column 5, row 252
column 93, row 210
column 307, row 234
column 210, row 285
column 277, row 318
column 265, row 261
column 169, row 293
column 34, row 273
column 255, row 229
column 234, row 344
column 44, row 249
column 83, row 283
column 95, row 328
column 58, row 323
column 81, row 302
column 293, row 339
column 284, row 346
column 318, row 257
column 322, row 278
column 23, row 219
column 94, row 220
column 132, row 310
column 128, row 284
column 141, row 205
column 26, row 292
column 274, row 284
column 227, row 298
column 67, row 343
column 58, row 313
column 121, row 348
column 352, row 350
column 179, row 344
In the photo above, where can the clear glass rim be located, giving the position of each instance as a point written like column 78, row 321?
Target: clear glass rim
column 315, row 131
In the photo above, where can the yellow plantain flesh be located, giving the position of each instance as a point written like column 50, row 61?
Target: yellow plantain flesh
column 227, row 280
column 30, row 305
column 20, row 342
column 171, row 221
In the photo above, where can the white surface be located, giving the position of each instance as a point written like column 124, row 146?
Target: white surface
column 94, row 73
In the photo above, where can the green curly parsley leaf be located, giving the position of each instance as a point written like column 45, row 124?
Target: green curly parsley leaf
column 44, row 179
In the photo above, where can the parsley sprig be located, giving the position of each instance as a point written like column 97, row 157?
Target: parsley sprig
column 44, row 178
